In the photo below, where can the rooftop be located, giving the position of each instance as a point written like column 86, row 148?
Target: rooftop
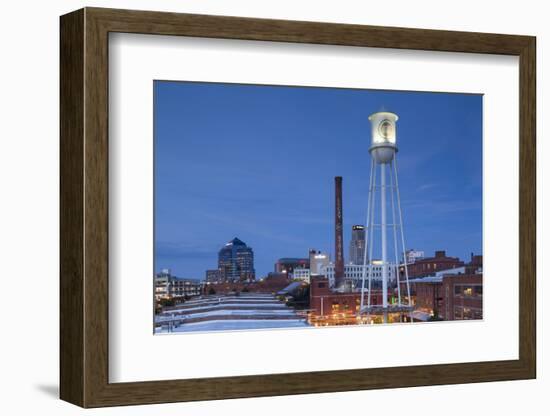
column 292, row 260
column 236, row 242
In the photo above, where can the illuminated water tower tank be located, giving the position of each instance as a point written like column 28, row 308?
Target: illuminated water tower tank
column 383, row 221
column 383, row 133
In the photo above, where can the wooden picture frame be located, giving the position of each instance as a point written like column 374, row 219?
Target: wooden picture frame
column 84, row 207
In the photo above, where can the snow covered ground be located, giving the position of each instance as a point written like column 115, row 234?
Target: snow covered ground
column 273, row 305
column 228, row 313
column 225, row 312
column 233, row 298
column 235, row 325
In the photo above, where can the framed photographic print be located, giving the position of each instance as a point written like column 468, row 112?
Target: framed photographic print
column 255, row 207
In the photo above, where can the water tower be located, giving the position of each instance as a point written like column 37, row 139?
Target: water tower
column 384, row 189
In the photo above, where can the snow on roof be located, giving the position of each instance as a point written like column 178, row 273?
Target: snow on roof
column 420, row 315
column 439, row 275
column 427, row 279
column 290, row 288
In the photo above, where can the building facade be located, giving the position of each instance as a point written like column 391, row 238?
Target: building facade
column 430, row 265
column 288, row 264
column 413, row 255
column 462, row 297
column 354, row 273
column 337, row 308
column 271, row 284
column 168, row 286
column 301, row 274
column 214, row 275
column 357, row 245
column 453, row 294
column 236, row 262
column 317, row 261
column 427, row 293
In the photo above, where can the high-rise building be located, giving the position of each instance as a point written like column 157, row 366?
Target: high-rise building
column 357, row 244
column 236, row 261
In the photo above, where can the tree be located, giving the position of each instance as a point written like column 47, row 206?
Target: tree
column 167, row 302
column 211, row 291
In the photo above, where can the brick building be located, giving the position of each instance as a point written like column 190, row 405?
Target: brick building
column 428, row 294
column 462, row 297
column 434, row 293
column 449, row 296
column 430, row 265
column 323, row 301
column 271, row 284
column 288, row 264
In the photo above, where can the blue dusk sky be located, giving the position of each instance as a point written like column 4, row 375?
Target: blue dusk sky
column 258, row 163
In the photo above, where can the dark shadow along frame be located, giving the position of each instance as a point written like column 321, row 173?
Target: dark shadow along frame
column 84, row 207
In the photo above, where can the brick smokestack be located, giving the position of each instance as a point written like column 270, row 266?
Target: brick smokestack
column 338, row 234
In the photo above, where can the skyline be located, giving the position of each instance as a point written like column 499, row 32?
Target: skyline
column 271, row 184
